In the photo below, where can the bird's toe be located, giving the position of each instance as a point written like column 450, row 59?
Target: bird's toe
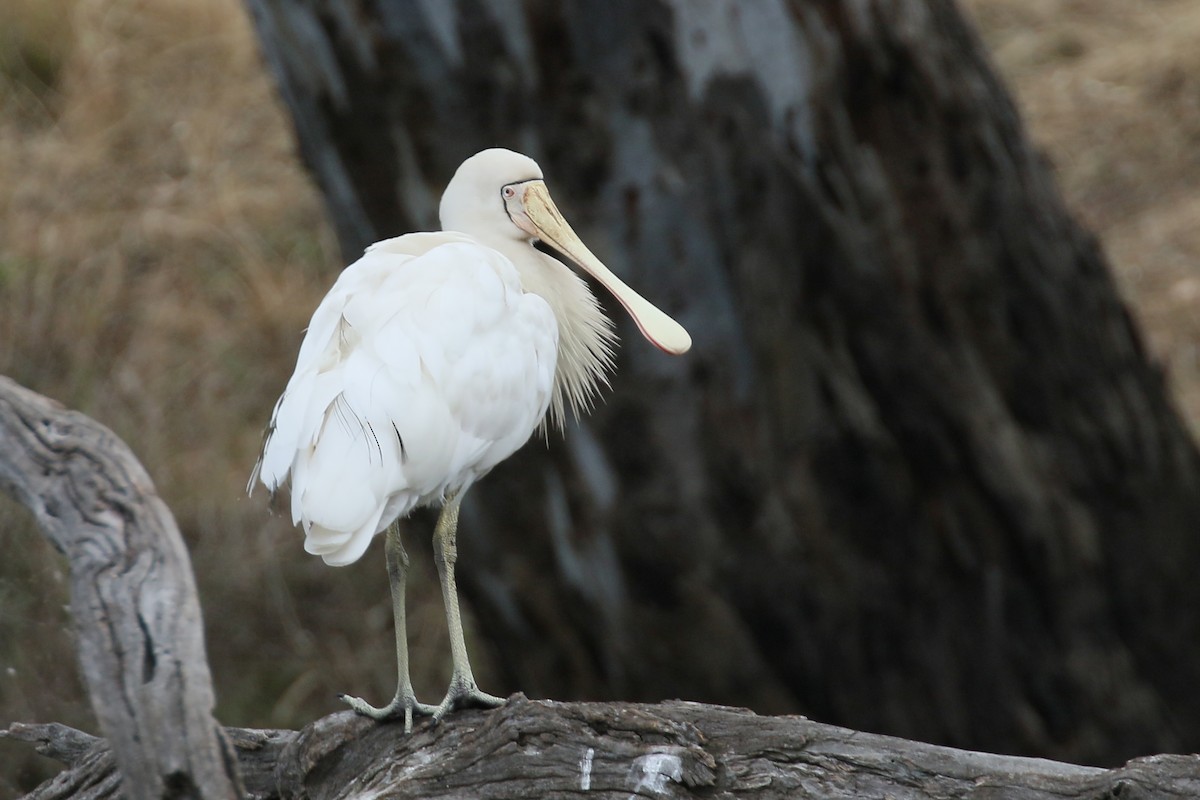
column 465, row 696
column 404, row 707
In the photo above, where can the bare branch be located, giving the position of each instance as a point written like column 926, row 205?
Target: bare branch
column 54, row 740
column 133, row 597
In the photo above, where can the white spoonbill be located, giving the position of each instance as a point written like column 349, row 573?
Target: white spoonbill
column 433, row 358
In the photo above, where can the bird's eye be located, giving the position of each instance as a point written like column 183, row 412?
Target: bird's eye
column 509, row 192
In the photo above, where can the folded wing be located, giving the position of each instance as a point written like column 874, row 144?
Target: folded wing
column 424, row 367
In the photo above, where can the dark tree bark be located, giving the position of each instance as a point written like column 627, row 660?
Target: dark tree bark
column 133, row 597
column 919, row 474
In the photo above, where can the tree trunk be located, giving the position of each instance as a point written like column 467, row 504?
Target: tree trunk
column 918, row 475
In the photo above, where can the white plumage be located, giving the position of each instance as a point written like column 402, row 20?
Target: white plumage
column 424, row 367
column 433, row 358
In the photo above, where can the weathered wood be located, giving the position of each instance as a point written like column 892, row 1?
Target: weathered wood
column 133, row 596
column 918, row 475
column 53, row 740
column 619, row 750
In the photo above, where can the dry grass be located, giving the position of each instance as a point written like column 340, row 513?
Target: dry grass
column 1111, row 90
column 161, row 249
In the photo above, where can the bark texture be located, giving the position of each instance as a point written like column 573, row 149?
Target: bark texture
column 620, row 750
column 133, row 597
column 919, row 474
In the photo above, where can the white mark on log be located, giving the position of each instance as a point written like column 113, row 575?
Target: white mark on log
column 585, row 769
column 417, row 761
column 651, row 772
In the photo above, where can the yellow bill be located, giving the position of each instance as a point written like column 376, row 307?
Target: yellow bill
column 548, row 225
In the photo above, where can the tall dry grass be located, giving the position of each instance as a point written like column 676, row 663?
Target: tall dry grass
column 161, row 250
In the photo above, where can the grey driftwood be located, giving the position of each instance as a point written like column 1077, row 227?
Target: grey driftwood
column 133, row 596
column 537, row 748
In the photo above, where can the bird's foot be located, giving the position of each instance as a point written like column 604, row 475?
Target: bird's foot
column 402, row 705
column 463, row 693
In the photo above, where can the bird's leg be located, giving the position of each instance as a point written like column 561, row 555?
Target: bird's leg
column 405, row 702
column 462, row 691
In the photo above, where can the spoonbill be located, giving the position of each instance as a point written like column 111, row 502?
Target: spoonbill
column 433, row 358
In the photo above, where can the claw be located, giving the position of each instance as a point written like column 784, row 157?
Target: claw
column 400, row 705
column 463, row 694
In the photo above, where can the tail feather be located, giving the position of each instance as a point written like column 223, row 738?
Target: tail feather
column 341, row 549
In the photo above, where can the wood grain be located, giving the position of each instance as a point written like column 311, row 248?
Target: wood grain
column 538, row 748
column 133, row 597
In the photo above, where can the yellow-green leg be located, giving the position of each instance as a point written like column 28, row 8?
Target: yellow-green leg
column 462, row 691
column 405, row 702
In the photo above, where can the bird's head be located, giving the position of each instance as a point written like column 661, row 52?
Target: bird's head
column 475, row 199
column 497, row 192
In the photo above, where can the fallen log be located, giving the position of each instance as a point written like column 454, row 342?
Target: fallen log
column 539, row 748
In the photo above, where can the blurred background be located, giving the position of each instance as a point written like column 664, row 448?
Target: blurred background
column 162, row 247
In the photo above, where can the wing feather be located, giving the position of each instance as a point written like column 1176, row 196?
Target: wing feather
column 424, row 367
